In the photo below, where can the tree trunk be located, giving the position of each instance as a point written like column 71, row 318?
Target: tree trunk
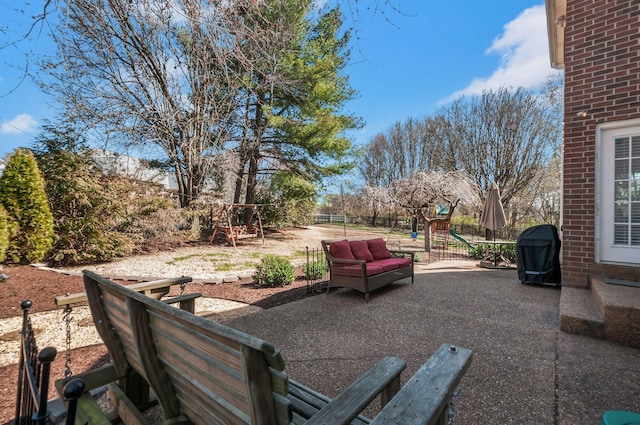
column 252, row 183
column 374, row 218
column 427, row 236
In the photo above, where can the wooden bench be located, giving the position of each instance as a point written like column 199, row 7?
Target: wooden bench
column 89, row 411
column 365, row 265
column 203, row 372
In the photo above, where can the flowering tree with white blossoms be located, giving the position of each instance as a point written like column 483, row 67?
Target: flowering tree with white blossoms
column 421, row 193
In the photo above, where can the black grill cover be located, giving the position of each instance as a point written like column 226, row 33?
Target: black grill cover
column 538, row 255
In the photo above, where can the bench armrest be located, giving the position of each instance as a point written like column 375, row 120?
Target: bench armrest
column 92, row 379
column 155, row 289
column 423, row 400
column 185, row 302
column 383, row 378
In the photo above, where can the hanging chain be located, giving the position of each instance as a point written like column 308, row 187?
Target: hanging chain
column 182, row 285
column 67, row 320
column 455, row 394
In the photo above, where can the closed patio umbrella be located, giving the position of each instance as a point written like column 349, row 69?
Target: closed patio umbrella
column 493, row 217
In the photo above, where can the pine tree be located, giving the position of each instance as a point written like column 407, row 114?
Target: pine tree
column 22, row 193
column 293, row 110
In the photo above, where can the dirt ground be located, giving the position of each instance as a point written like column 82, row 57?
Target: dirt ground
column 194, row 259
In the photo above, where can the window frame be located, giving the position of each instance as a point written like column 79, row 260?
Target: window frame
column 610, row 253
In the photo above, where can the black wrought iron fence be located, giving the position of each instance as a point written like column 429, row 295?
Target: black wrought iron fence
column 34, row 372
column 33, row 375
column 316, row 270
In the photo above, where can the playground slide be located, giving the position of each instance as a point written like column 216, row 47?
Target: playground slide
column 460, row 238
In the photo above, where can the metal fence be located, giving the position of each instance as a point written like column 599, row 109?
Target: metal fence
column 33, row 375
column 402, row 223
column 316, row 270
column 34, row 372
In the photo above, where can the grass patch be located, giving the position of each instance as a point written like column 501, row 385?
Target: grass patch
column 299, row 254
column 224, row 267
column 182, row 258
column 215, row 256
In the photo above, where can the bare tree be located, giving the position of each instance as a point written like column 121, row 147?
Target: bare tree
column 377, row 200
column 12, row 37
column 402, row 151
column 502, row 136
column 151, row 73
column 419, row 194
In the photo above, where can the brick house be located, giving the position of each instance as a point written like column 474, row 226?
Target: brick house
column 597, row 42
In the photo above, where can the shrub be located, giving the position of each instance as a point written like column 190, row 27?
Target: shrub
column 478, row 251
column 315, row 270
column 87, row 206
column 274, row 270
column 4, row 234
column 509, row 252
column 22, row 193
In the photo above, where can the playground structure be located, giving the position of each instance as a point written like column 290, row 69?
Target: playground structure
column 440, row 231
column 453, row 233
column 237, row 222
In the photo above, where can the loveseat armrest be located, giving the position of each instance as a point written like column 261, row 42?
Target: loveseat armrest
column 425, row 398
column 381, row 379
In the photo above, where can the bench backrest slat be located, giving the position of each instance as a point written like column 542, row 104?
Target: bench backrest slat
column 209, row 369
column 199, row 369
column 115, row 305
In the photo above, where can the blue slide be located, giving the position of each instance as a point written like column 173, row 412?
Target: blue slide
column 460, row 238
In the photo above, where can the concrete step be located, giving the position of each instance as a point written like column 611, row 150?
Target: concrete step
column 619, row 305
column 579, row 313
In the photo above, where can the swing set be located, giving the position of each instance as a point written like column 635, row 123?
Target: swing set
column 237, row 222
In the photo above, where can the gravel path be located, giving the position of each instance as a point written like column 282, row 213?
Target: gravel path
column 218, row 262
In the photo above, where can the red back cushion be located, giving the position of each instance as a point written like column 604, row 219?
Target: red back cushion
column 378, row 249
column 360, row 251
column 341, row 249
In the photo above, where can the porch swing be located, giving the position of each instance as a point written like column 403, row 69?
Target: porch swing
column 122, row 386
column 236, row 225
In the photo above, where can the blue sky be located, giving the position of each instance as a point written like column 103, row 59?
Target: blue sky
column 406, row 63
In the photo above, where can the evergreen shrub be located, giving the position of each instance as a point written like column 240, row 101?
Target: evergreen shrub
column 22, row 193
column 4, row 234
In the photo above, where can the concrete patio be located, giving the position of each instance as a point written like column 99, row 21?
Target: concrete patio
column 525, row 370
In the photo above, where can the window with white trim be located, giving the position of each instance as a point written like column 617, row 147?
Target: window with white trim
column 627, row 191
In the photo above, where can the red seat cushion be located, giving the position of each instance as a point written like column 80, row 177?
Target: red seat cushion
column 355, row 270
column 360, row 251
column 388, row 263
column 341, row 249
column 403, row 261
column 378, row 249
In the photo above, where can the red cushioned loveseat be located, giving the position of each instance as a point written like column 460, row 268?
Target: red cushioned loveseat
column 365, row 265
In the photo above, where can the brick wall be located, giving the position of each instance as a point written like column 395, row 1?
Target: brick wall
column 602, row 77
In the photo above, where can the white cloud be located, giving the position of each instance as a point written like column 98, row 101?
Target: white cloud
column 524, row 51
column 23, row 123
